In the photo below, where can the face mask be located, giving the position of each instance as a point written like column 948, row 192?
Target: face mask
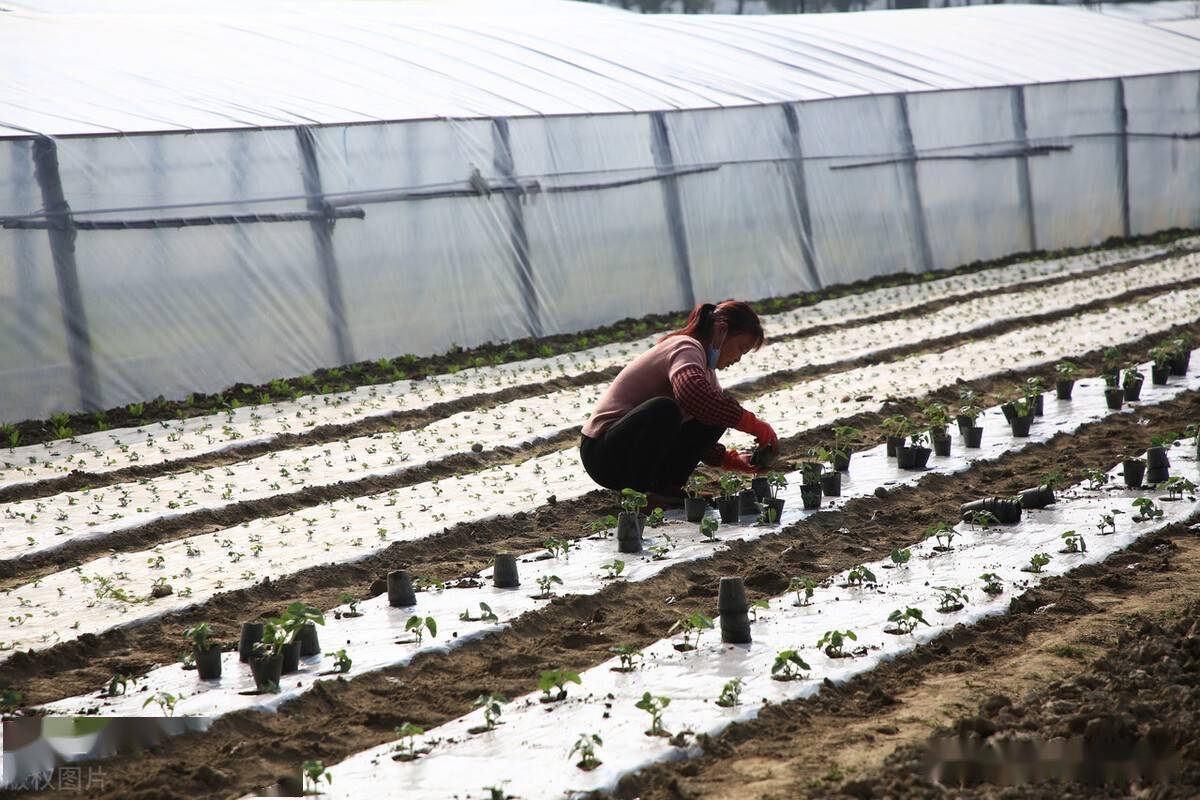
column 714, row 353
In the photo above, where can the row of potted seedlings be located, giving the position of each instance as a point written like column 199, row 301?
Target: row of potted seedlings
column 272, row 647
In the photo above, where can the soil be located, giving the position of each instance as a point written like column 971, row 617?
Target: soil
column 337, row 718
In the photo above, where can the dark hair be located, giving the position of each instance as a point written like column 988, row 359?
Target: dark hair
column 736, row 314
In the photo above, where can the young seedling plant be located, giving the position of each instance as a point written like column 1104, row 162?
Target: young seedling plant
column 314, row 773
column 802, row 585
column 991, row 583
column 860, row 576
column 656, row 518
column 1177, row 487
column 755, row 605
column 1108, row 522
column 585, row 746
column 1096, row 478
column 545, row 585
column 1146, row 510
column 731, row 483
column 603, row 525
column 952, row 598
column 117, row 685
column 165, row 702
column 491, row 703
column 906, row 620
column 627, row 657
column 632, row 501
column 654, row 706
column 556, row 679
column 558, row 547
column 341, row 661
column 789, row 666
column 1074, row 542
column 613, row 569
column 901, row 556
column 485, row 614
column 731, row 694
column 352, row 601
column 1036, row 562
column 943, row 533
column 708, row 528
column 406, row 748
column 832, row 642
column 693, row 624
column 419, row 626
column 982, row 519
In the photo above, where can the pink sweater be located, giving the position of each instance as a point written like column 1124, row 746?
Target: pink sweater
column 673, row 368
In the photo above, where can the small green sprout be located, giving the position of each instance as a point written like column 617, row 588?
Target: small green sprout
column 982, row 519
column 788, row 666
column 558, row 547
column 603, row 525
column 832, row 642
column 627, row 655
column 419, row 626
column 708, row 528
column 1096, row 478
column 656, row 518
column 491, row 703
column 117, row 685
column 800, row 584
column 341, row 661
column 731, row 694
column 901, row 556
column 951, row 598
column 1074, row 542
column 556, row 679
column 165, row 702
column 545, row 583
column 1037, row 561
column 943, row 532
column 408, row 732
column 906, row 621
column 352, row 601
column 692, row 624
column 585, row 746
column 1147, row 510
column 613, row 568
column 314, row 772
column 1177, row 487
column 632, row 501
column 654, row 706
column 755, row 605
column 485, row 615
column 860, row 575
column 992, row 583
column 1108, row 521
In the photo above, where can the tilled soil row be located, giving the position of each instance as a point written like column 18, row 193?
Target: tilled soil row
column 83, row 664
column 15, row 572
column 1109, row 652
column 337, row 718
column 408, row 420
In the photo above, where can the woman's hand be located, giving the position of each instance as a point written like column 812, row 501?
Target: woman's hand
column 763, row 433
column 733, row 461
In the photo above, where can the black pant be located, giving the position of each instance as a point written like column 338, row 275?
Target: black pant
column 648, row 449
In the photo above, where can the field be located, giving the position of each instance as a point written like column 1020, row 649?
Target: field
column 880, row 616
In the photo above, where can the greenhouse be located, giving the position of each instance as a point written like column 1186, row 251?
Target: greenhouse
column 203, row 196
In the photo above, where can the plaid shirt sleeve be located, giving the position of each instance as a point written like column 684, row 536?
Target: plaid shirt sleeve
column 701, row 399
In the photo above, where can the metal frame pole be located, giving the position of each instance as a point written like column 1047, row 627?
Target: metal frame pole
column 800, row 193
column 518, row 236
column 664, row 162
column 1024, row 186
column 914, row 186
column 1123, row 158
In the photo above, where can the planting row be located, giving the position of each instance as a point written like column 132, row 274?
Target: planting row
column 128, row 587
column 45, row 524
column 584, row 731
column 374, row 634
column 250, row 421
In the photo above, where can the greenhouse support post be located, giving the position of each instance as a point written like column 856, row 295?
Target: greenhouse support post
column 913, row 186
column 26, row 260
column 800, row 193
column 322, row 228
column 1023, row 184
column 664, row 162
column 518, row 236
column 1123, row 155
column 61, row 229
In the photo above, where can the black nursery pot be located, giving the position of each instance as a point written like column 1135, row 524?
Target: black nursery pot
column 504, row 573
column 290, row 658
column 1037, row 497
column 749, row 502
column 732, row 606
column 1114, row 397
column 973, row 437
column 629, row 532
column 400, row 589
column 730, row 509
column 266, row 669
column 251, row 632
column 310, row 643
column 810, row 495
column 1156, row 458
column 777, row 504
column 1039, row 405
column 894, row 443
column 1063, row 388
column 941, row 445
column 761, row 487
column 208, row 662
column 1179, row 362
column 810, row 471
column 963, row 423
column 694, row 508
column 1134, row 470
column 1010, row 411
column 1020, row 425
column 1159, row 374
column 831, row 484
column 1006, row 511
column 1133, row 389
column 842, row 462
column 905, row 457
column 1157, row 475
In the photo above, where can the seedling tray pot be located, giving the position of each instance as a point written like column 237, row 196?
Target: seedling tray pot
column 810, row 496
column 1156, row 458
column 973, row 437
column 735, row 628
column 694, row 508
column 810, row 471
column 964, row 422
column 251, row 633
column 749, row 502
column 208, row 663
column 841, row 462
column 629, row 533
column 764, row 457
column 761, row 488
column 777, row 504
column 1039, row 405
column 831, row 484
column 266, row 669
column 730, row 509
column 400, row 589
column 1133, row 389
column 1133, row 470
column 1010, row 411
column 1063, row 389
column 310, row 643
column 905, row 458
column 1037, row 497
column 1157, row 475
column 1179, row 364
column 731, row 596
column 1158, row 375
column 1115, row 398
column 1020, row 425
column 941, row 446
column 894, row 443
column 290, row 658
column 504, row 574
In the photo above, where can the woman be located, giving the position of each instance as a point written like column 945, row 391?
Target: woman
column 665, row 411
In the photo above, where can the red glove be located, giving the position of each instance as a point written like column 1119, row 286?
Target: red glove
column 763, row 433
column 733, row 461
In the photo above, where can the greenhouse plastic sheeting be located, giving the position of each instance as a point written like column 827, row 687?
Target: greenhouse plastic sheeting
column 324, row 183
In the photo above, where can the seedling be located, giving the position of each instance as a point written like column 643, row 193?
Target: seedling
column 901, row 556
column 731, row 694
column 943, row 532
column 558, row 547
column 199, row 634
column 314, row 772
column 906, row 621
column 1074, row 542
column 1108, row 521
column 627, row 655
column 897, row 425
column 656, row 518
column 11, row 699
column 708, row 528
column 952, row 598
column 342, row 661
column 117, row 685
column 613, row 568
column 1096, row 478
column 556, row 679
column 982, row 519
column 1037, row 561
column 654, row 706
column 165, row 702
column 585, row 746
column 353, row 602
column 491, row 703
column 800, row 584
column 1052, row 480
column 844, row 436
column 833, row 641
column 296, row 616
column 860, row 575
column 419, row 626
column 694, row 486
column 937, row 415
column 1067, row 370
column 777, row 481
column 731, row 483
column 755, row 605
column 603, row 525
column 545, row 583
column 991, row 583
column 789, row 666
column 693, row 624
column 485, row 615
column 1147, row 510
column 919, row 439
column 1177, row 487
column 766, row 517
column 632, row 501
column 407, row 746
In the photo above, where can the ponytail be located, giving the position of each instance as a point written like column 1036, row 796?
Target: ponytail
column 738, row 316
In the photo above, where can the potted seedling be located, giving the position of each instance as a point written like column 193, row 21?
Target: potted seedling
column 810, row 496
column 1034, row 392
column 761, row 487
column 776, row 481
column 968, row 415
column 689, row 626
column 207, row 653
column 1112, row 366
column 1036, row 562
column 938, row 417
column 833, row 642
column 916, row 455
column 896, row 428
column 789, row 666
column 966, row 399
column 296, row 620
column 1067, row 372
column 629, row 521
column 951, row 599
column 1132, row 380
column 556, row 680
column 810, row 471
column 1181, row 353
column 904, row 621
column 1133, row 470
column 654, row 706
column 406, row 748
column 1073, row 542
column 1022, row 416
column 1114, row 395
column 585, row 746
column 266, row 664
column 730, row 504
column 831, row 479
column 991, row 583
column 804, row 588
column 1158, row 466
column 844, row 438
column 694, row 505
column 748, row 501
